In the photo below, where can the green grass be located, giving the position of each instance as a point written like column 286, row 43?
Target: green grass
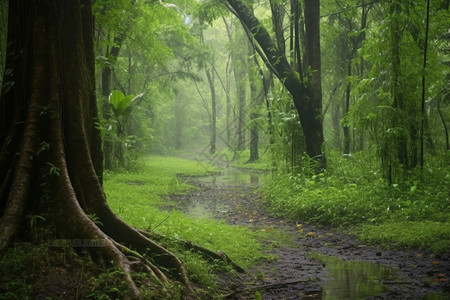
column 434, row 236
column 137, row 198
column 352, row 194
column 42, row 270
column 239, row 159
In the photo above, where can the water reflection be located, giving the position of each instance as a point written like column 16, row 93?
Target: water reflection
column 353, row 279
column 236, row 176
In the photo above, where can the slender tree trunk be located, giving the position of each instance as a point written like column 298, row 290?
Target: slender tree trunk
column 106, row 77
column 255, row 103
column 213, row 126
column 239, row 56
column 362, row 36
column 228, row 70
column 398, row 105
column 295, row 41
column 277, row 21
column 228, row 102
column 444, row 124
column 422, row 125
column 312, row 126
column 346, row 128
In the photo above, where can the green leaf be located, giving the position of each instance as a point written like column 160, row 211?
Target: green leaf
column 121, row 104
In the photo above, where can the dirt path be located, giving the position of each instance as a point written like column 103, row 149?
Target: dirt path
column 342, row 268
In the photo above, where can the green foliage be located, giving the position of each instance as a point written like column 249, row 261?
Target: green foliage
column 287, row 141
column 387, row 97
column 28, row 270
column 122, row 105
column 425, row 235
column 108, row 285
column 16, row 279
column 53, row 170
column 353, row 193
column 51, row 269
column 239, row 159
column 139, row 198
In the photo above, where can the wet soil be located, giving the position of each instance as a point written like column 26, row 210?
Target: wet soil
column 321, row 263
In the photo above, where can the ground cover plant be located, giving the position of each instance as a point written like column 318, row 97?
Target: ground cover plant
column 353, row 194
column 140, row 199
column 240, row 159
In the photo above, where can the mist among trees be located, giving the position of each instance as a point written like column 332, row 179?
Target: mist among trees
column 341, row 93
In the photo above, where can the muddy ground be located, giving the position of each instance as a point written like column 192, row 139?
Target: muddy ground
column 296, row 275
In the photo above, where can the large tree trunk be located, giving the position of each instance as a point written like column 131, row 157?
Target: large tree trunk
column 49, row 137
column 307, row 97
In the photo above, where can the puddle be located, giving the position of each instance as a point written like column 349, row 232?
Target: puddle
column 236, row 176
column 226, row 180
column 353, row 279
column 204, row 210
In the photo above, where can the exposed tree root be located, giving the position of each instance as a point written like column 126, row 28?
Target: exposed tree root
column 49, row 126
column 188, row 245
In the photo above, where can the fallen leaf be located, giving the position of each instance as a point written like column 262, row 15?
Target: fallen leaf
column 435, row 263
column 311, row 233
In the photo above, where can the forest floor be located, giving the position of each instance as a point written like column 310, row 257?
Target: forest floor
column 320, row 263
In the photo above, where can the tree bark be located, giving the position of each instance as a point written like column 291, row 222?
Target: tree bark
column 306, row 97
column 239, row 61
column 213, row 123
column 228, row 69
column 108, row 144
column 312, row 128
column 50, row 157
column 398, row 99
column 255, row 103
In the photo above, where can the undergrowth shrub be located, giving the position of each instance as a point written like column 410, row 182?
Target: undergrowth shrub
column 353, row 193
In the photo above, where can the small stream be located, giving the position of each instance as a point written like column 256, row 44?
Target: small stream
column 236, row 176
column 346, row 279
column 353, row 279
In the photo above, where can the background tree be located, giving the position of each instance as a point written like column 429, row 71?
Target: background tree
column 390, row 93
column 112, row 26
column 304, row 87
